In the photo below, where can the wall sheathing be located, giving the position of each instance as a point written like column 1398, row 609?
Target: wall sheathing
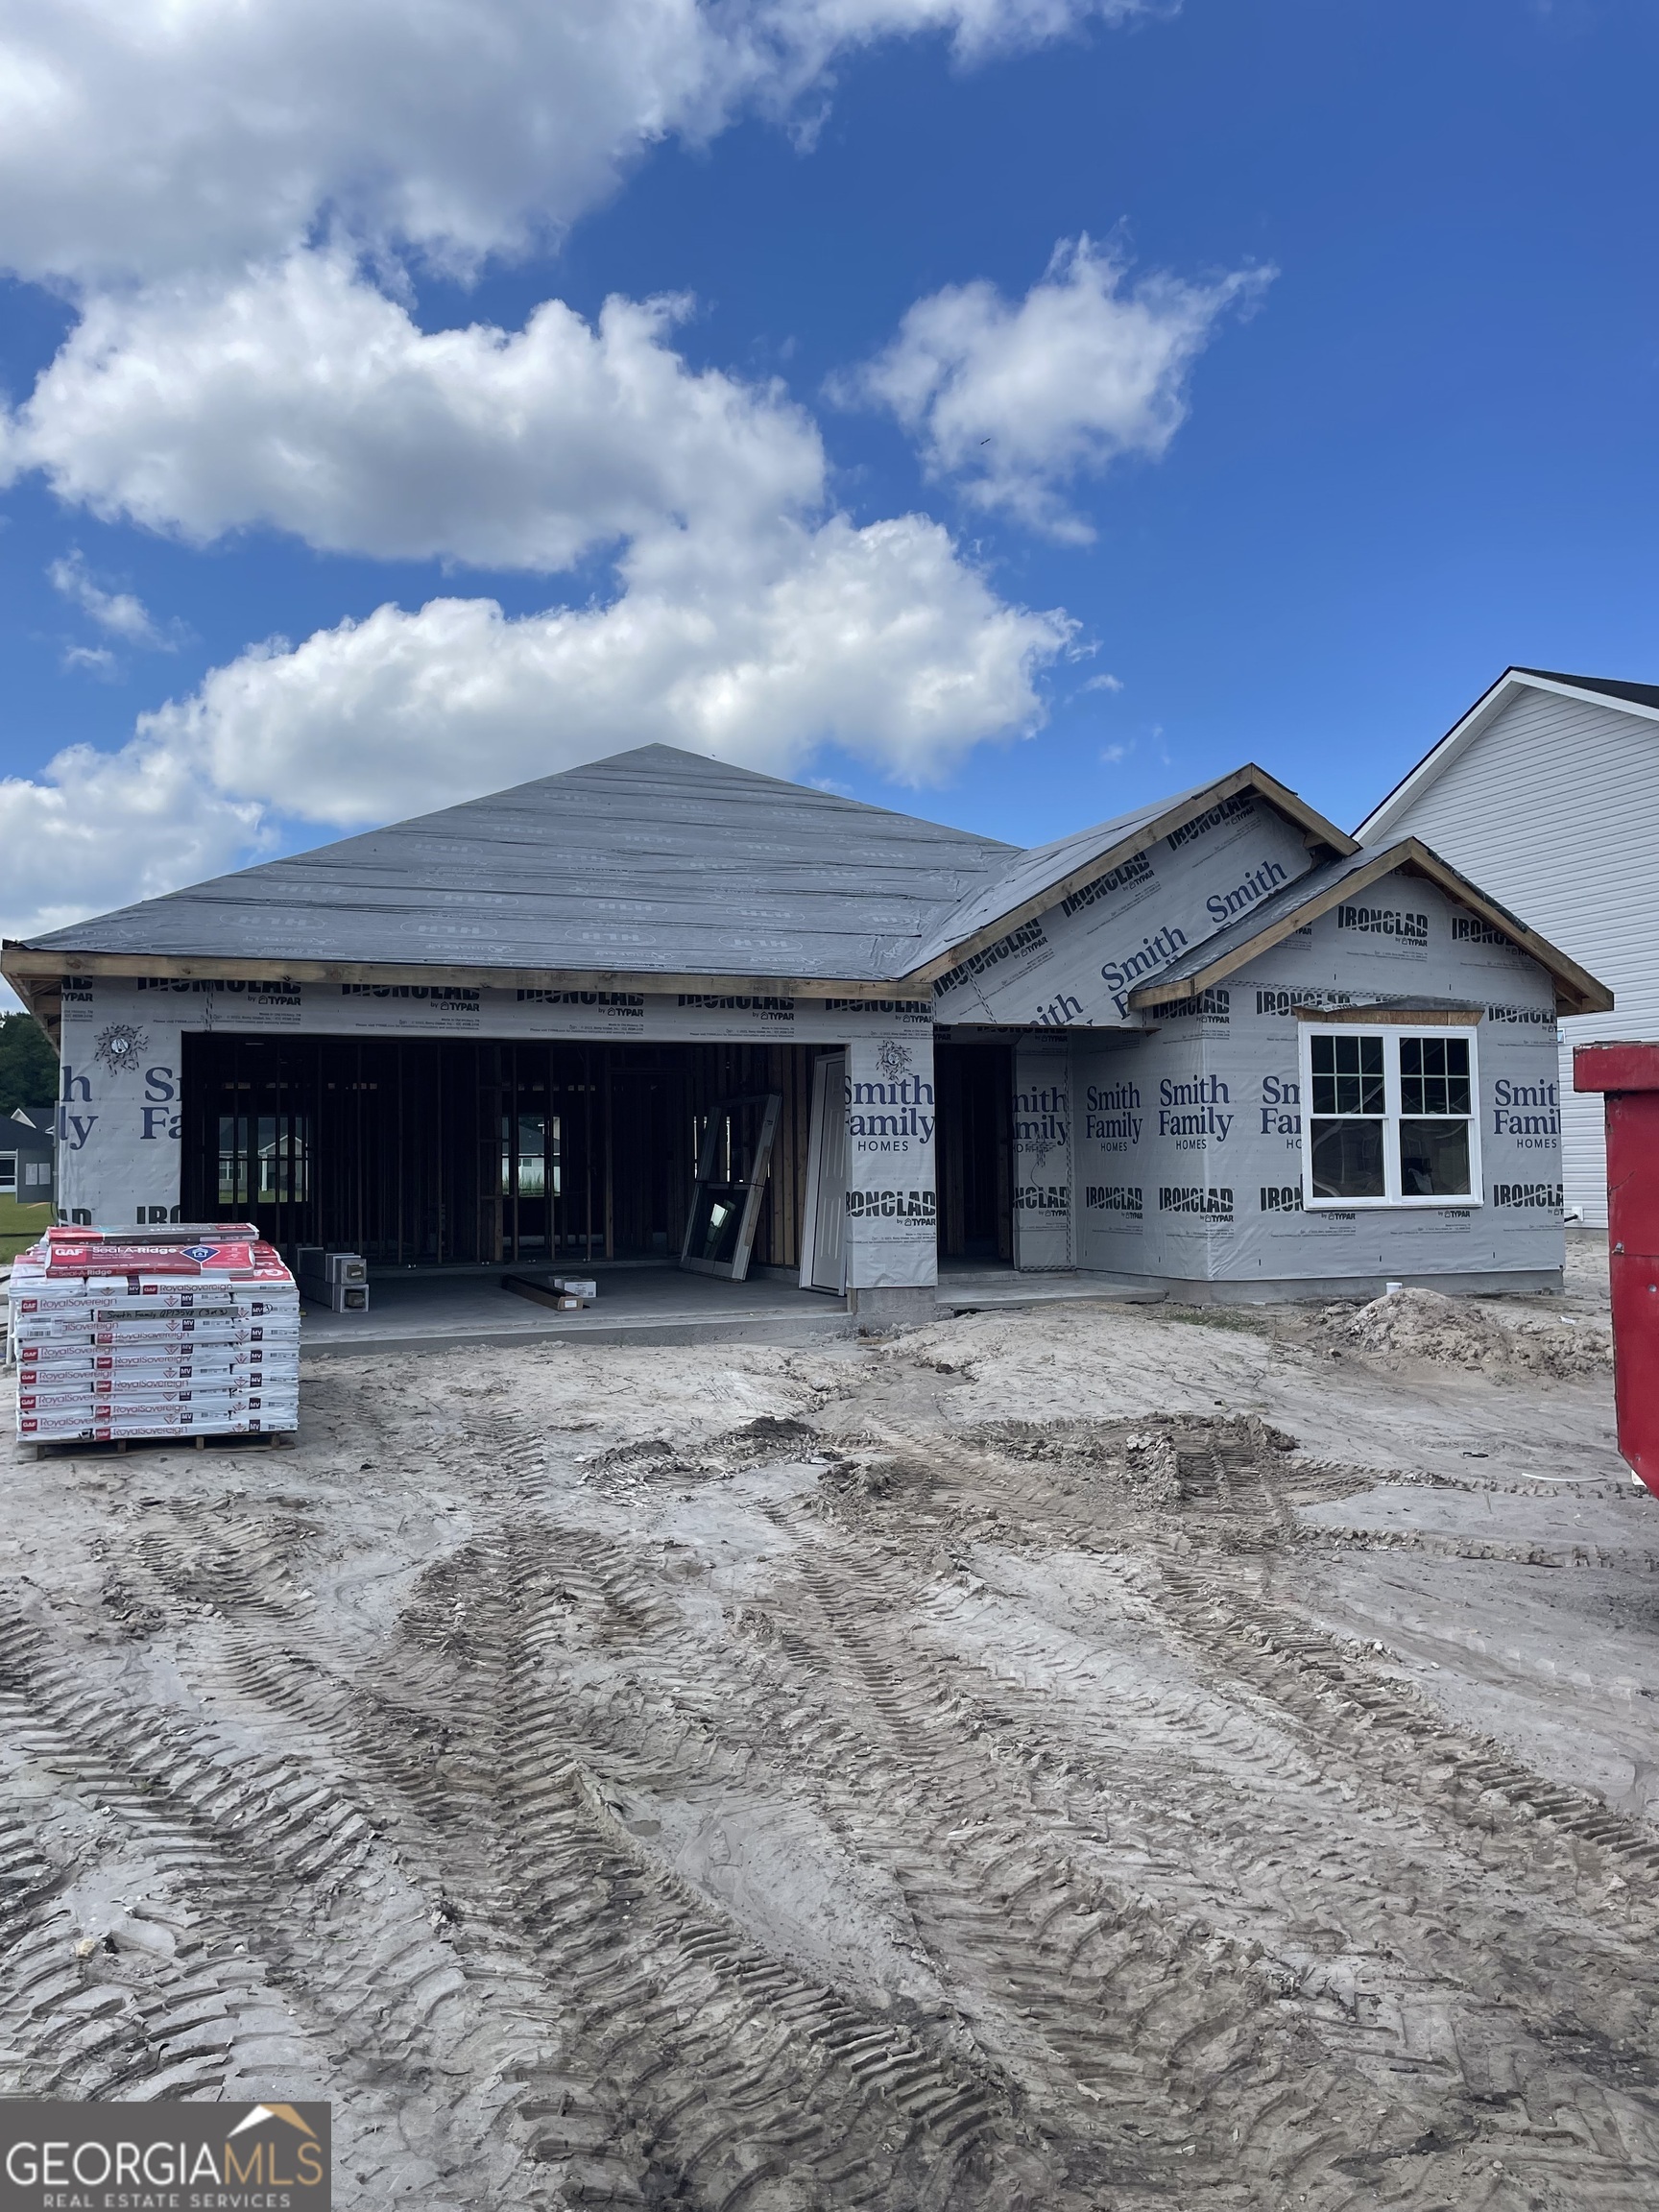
column 121, row 1111
column 1188, row 1153
column 1173, row 1152
column 1077, row 963
column 1042, row 1179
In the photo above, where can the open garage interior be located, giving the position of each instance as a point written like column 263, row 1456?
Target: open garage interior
column 444, row 1152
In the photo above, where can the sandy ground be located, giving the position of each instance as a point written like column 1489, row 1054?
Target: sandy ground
column 1095, row 1758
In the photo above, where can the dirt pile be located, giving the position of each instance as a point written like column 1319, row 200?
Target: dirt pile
column 1405, row 1325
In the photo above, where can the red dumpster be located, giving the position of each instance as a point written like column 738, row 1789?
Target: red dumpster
column 1628, row 1074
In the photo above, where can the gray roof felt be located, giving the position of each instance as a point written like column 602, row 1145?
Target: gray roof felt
column 652, row 862
column 1027, row 874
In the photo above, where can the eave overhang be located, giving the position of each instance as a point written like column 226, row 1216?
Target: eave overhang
column 38, row 977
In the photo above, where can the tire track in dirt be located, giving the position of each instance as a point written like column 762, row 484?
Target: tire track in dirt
column 690, row 2058
column 1153, row 2016
column 274, row 1857
column 1230, row 1482
column 1184, row 1933
column 730, row 2067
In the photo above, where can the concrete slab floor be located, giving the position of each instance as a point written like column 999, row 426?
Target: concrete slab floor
column 991, row 1286
column 415, row 1312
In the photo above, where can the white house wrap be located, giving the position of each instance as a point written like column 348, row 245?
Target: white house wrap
column 1212, row 1043
column 1191, row 1139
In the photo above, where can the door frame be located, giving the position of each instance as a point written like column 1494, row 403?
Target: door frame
column 830, row 1069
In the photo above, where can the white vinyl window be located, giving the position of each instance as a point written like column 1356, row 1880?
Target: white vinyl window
column 1389, row 1118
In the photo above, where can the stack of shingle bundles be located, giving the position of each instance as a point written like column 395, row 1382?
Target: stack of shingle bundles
column 155, row 1333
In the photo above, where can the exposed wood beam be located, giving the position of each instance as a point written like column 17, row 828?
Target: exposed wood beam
column 1576, row 990
column 25, row 968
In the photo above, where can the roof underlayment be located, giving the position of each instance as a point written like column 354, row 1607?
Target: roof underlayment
column 660, row 863
column 655, row 861
column 652, row 862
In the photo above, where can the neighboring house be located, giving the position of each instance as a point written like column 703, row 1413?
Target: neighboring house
column 27, row 1148
column 1546, row 793
column 659, row 1001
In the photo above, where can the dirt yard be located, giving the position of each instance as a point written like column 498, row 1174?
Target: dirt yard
column 1104, row 1757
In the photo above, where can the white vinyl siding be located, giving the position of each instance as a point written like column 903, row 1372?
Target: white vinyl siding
column 1555, row 810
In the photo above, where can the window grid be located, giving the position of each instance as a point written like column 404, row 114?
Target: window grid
column 1433, row 1075
column 1390, row 1118
column 1348, row 1075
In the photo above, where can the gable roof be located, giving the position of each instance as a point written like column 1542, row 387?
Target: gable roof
column 657, row 867
column 1036, row 879
column 1632, row 694
column 1639, row 698
column 18, row 1133
column 1298, row 903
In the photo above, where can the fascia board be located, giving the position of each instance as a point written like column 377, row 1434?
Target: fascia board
column 1462, row 735
column 23, row 966
column 1440, row 757
column 1582, row 993
column 1247, row 777
column 1591, row 698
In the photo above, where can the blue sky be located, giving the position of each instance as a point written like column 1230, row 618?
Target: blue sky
column 1399, row 260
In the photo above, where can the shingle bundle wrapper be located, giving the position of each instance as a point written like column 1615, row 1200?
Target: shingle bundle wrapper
column 139, row 1333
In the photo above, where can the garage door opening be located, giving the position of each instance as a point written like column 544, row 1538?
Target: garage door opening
column 428, row 1152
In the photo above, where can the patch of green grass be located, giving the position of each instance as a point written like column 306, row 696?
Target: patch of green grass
column 1220, row 1317
column 19, row 1226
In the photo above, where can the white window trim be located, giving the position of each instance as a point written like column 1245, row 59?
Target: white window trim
column 1395, row 1199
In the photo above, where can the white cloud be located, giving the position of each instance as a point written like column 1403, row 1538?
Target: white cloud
column 139, row 137
column 301, row 396
column 120, row 612
column 749, row 621
column 174, row 163
column 1015, row 401
column 880, row 640
column 96, row 829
